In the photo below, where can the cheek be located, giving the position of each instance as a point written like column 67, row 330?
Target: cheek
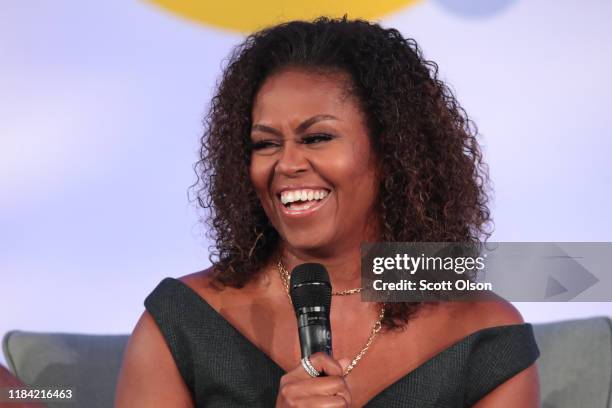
column 350, row 168
column 258, row 175
column 357, row 182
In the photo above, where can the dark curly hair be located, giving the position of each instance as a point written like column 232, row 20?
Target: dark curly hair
column 433, row 185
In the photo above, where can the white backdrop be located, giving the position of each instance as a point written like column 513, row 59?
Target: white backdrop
column 101, row 107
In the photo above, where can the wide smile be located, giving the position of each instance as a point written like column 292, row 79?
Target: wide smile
column 301, row 209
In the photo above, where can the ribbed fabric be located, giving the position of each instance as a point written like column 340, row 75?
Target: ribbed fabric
column 222, row 368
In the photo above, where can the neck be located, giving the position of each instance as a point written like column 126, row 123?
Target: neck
column 344, row 269
column 343, row 262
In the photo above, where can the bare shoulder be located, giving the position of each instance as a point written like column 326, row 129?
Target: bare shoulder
column 473, row 316
column 149, row 377
column 204, row 284
column 225, row 298
column 496, row 312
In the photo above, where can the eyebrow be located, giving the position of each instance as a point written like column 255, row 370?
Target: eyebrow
column 301, row 127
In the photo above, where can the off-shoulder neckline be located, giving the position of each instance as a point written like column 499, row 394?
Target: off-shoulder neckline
column 395, row 383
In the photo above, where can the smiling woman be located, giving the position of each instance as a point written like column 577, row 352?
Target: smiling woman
column 297, row 151
column 323, row 135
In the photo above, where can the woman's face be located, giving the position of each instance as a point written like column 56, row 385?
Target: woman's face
column 312, row 165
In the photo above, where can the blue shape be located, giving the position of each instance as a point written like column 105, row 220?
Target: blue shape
column 475, row 8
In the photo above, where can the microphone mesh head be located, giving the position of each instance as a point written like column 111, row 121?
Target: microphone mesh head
column 309, row 286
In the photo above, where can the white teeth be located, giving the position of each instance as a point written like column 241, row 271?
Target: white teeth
column 302, row 195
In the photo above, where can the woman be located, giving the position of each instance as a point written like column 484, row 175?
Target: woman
column 321, row 136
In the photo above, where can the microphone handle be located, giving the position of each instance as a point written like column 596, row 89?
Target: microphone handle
column 314, row 331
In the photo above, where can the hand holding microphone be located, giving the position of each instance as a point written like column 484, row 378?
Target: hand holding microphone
column 299, row 389
column 319, row 379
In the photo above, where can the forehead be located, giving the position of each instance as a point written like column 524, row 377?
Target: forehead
column 298, row 93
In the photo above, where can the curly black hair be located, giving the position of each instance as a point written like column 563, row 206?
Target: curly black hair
column 434, row 184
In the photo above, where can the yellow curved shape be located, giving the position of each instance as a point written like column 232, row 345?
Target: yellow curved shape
column 250, row 15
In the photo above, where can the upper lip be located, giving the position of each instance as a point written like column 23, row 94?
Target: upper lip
column 279, row 190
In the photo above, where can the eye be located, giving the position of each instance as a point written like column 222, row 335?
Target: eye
column 264, row 144
column 316, row 138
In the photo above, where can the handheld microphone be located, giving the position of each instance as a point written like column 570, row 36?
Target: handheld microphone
column 311, row 294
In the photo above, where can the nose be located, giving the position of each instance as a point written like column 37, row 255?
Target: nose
column 292, row 160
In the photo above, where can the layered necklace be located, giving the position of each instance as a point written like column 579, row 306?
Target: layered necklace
column 285, row 277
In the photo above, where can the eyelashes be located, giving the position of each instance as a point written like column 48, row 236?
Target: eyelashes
column 312, row 139
column 316, row 138
column 263, row 144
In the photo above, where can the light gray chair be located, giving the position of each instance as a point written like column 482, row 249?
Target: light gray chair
column 575, row 364
column 87, row 364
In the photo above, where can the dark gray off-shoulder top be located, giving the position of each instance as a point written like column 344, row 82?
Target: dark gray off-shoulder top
column 222, row 368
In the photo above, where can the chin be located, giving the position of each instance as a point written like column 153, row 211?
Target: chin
column 306, row 243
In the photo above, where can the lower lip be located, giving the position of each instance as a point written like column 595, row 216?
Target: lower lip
column 305, row 212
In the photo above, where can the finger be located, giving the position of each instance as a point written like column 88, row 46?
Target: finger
column 335, row 401
column 323, row 363
column 320, row 386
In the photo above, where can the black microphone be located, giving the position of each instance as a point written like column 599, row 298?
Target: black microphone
column 311, row 294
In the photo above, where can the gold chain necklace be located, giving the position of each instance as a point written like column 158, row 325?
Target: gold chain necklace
column 285, row 277
column 284, row 274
